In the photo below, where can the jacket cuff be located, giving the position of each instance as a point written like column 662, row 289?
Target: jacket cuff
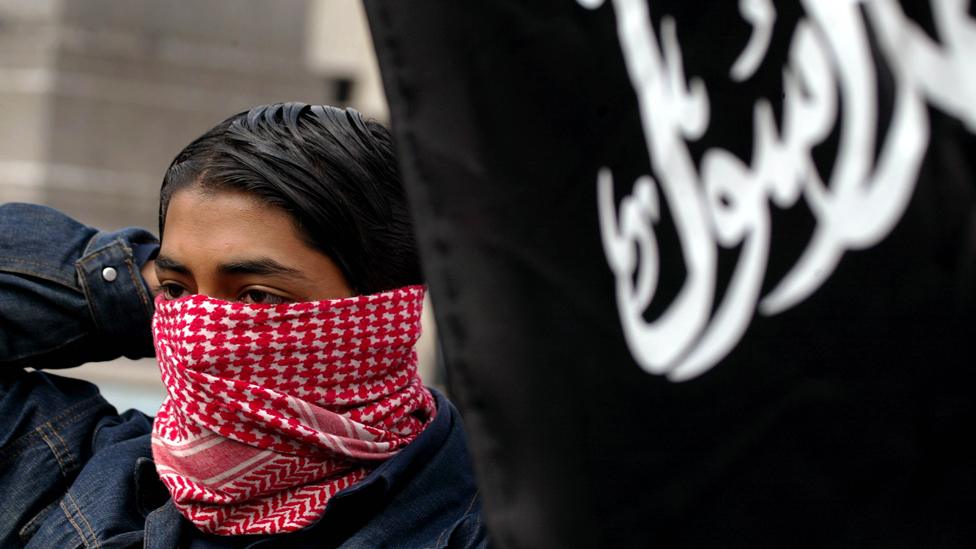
column 120, row 304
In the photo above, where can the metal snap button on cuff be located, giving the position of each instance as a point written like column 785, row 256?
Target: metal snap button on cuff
column 109, row 274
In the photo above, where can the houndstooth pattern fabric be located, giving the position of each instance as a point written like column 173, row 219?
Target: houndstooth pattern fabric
column 273, row 409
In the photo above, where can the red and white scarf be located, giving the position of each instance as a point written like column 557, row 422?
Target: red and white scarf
column 272, row 409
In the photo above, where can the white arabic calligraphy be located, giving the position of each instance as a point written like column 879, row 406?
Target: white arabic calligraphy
column 725, row 201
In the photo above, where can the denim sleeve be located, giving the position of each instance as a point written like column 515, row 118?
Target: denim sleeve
column 70, row 294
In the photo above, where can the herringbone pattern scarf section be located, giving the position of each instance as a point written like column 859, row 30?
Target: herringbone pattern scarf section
column 273, row 409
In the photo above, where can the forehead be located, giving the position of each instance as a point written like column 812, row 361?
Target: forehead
column 227, row 222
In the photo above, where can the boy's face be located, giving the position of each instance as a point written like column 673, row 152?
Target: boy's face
column 231, row 246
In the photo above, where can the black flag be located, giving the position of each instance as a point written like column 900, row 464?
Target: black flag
column 704, row 271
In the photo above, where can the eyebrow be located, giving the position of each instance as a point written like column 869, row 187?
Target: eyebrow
column 168, row 264
column 259, row 266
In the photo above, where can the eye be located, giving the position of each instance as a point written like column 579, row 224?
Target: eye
column 260, row 297
column 172, row 291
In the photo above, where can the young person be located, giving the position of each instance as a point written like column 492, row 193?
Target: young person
column 288, row 303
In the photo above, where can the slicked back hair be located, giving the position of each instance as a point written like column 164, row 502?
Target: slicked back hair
column 334, row 172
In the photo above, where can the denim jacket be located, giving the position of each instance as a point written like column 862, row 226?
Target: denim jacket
column 75, row 473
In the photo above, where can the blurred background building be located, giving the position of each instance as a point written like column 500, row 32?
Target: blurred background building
column 98, row 96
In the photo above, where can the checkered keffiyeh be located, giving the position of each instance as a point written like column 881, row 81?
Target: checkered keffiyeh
column 272, row 409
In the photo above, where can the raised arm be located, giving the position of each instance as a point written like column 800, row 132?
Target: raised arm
column 70, row 294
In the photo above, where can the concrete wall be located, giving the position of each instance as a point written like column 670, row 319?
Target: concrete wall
column 97, row 96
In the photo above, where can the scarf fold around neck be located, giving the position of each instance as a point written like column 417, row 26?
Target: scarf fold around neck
column 273, row 409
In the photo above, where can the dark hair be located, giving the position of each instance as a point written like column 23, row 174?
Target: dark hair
column 332, row 171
